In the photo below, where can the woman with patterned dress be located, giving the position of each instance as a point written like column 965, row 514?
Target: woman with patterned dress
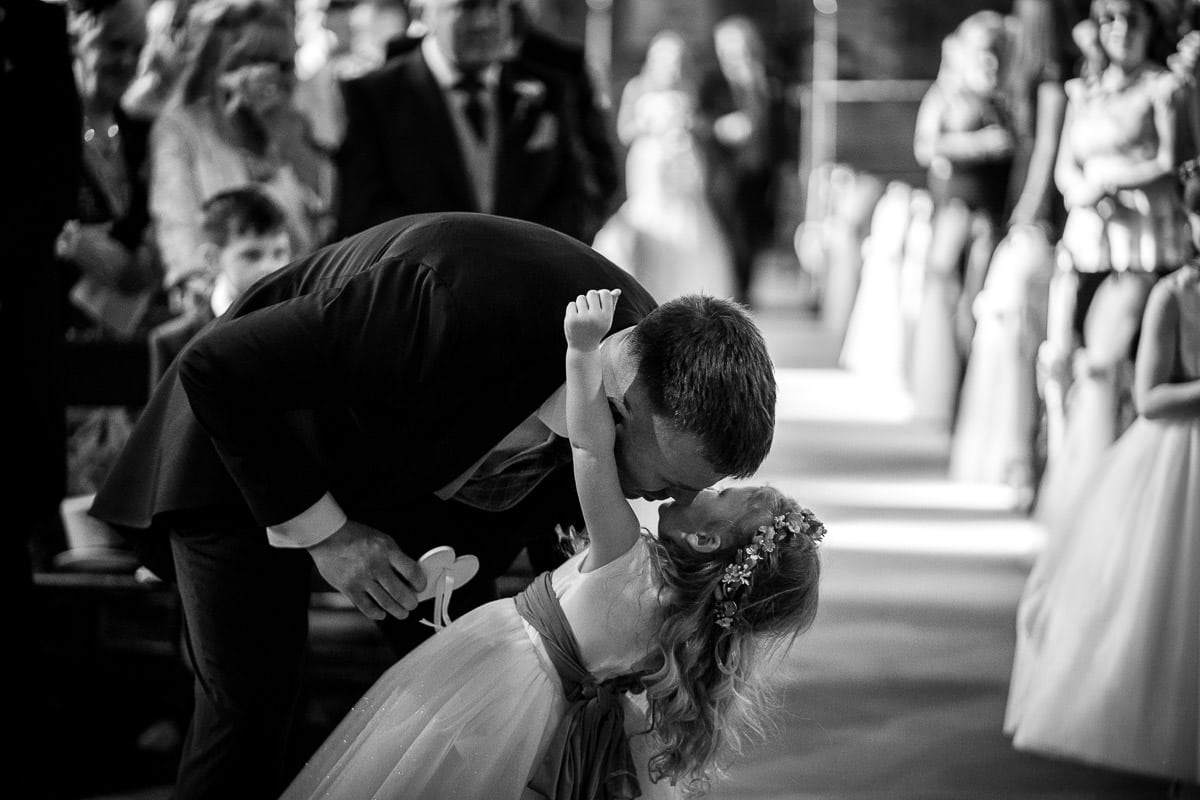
column 1125, row 228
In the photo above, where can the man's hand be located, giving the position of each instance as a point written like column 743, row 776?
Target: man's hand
column 369, row 568
column 589, row 317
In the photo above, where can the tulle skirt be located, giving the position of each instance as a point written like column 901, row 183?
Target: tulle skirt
column 1107, row 665
column 467, row 715
column 998, row 416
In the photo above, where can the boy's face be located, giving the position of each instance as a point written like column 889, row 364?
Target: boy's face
column 247, row 257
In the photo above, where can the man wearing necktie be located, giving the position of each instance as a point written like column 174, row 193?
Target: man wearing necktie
column 395, row 391
column 449, row 125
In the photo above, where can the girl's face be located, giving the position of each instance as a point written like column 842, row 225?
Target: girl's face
column 979, row 60
column 1124, row 31
column 712, row 510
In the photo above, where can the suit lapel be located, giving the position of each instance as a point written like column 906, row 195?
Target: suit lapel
column 441, row 137
column 520, row 108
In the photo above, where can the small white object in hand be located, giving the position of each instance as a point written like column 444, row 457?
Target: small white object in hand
column 444, row 571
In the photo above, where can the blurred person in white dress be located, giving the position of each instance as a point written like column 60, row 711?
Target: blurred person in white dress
column 666, row 233
column 1107, row 664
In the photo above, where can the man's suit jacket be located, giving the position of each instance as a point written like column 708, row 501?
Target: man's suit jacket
column 566, row 61
column 167, row 341
column 401, row 152
column 378, row 369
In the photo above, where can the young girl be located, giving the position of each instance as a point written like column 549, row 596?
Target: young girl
column 526, row 699
column 964, row 138
column 1108, row 629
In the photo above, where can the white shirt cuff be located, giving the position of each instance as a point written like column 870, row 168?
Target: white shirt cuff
column 313, row 526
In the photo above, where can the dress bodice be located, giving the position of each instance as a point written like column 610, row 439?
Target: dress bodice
column 1137, row 228
column 611, row 610
column 1115, row 121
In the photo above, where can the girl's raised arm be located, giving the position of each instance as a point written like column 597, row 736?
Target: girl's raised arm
column 611, row 524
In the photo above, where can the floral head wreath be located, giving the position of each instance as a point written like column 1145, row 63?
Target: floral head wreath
column 740, row 571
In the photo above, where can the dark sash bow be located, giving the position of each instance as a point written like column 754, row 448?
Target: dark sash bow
column 589, row 757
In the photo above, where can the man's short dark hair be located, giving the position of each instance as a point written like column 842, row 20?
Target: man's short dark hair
column 705, row 366
column 241, row 211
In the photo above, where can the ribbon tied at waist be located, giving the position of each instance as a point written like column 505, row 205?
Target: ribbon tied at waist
column 588, row 757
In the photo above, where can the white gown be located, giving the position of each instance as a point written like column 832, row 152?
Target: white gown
column 469, row 713
column 1107, row 665
column 666, row 234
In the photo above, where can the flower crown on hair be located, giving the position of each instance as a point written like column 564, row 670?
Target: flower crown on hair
column 740, row 571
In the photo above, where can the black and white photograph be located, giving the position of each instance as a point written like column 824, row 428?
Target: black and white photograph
column 601, row 399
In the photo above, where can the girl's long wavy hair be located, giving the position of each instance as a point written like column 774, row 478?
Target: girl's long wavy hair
column 705, row 700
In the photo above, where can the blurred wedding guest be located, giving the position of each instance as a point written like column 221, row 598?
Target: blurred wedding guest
column 349, row 37
column 742, row 100
column 41, row 165
column 964, row 138
column 589, row 107
column 828, row 243
column 245, row 237
column 1107, row 664
column 106, row 248
column 1124, row 229
column 666, row 232
column 450, row 124
column 232, row 123
column 999, row 413
column 160, row 63
column 876, row 340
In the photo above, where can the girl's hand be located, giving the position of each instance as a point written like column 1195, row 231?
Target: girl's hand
column 589, row 317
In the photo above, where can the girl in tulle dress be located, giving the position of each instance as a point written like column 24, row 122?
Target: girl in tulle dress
column 528, row 698
column 1107, row 667
column 964, row 138
column 666, row 233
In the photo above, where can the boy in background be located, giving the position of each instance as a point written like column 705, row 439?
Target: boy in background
column 245, row 238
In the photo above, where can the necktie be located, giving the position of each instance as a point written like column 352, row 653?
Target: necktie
column 503, row 488
column 473, row 87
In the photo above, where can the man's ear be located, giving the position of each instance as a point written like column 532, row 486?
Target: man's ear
column 703, row 541
column 620, row 411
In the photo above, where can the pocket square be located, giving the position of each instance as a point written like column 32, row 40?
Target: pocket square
column 544, row 136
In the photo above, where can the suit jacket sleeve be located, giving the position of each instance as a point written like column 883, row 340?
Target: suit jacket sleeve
column 372, row 343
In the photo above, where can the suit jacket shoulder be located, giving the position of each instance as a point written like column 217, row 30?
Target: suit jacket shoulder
column 381, row 367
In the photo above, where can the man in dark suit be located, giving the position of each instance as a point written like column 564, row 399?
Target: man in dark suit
column 566, row 62
column 395, row 391
column 449, row 125
column 743, row 105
